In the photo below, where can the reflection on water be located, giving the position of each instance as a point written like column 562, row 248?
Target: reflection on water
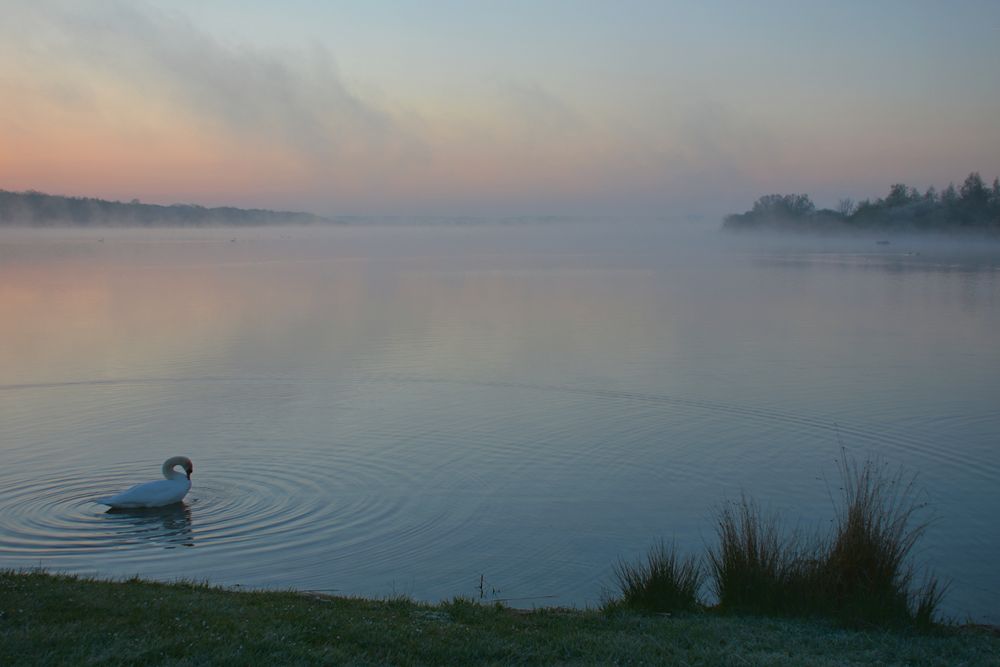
column 168, row 526
column 386, row 411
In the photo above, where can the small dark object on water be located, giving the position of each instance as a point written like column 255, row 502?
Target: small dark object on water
column 882, row 243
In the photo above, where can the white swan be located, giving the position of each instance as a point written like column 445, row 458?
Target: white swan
column 159, row 493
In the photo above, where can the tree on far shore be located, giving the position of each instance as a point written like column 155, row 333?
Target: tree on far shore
column 973, row 207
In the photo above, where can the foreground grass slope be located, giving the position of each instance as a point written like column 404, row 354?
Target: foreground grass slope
column 46, row 619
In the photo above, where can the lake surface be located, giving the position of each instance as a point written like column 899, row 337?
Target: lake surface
column 501, row 410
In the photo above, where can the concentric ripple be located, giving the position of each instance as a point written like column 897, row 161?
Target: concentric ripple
column 244, row 513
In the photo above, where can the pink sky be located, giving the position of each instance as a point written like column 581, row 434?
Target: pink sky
column 653, row 108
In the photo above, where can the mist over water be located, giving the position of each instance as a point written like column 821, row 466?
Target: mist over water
column 401, row 409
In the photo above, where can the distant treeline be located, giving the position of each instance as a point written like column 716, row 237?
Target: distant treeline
column 37, row 209
column 974, row 207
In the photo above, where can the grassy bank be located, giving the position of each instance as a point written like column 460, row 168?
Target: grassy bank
column 46, row 619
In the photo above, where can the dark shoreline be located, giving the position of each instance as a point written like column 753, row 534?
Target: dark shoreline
column 39, row 210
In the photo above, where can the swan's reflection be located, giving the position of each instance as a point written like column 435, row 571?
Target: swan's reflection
column 168, row 526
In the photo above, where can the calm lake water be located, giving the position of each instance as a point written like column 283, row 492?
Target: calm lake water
column 417, row 410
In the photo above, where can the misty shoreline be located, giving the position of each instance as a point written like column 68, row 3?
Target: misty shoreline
column 973, row 209
column 41, row 210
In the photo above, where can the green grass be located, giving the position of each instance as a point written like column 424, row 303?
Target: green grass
column 54, row 620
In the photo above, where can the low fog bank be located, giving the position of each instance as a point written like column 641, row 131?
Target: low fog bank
column 486, row 243
column 500, row 244
column 900, row 253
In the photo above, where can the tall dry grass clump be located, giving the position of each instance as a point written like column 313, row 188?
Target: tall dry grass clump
column 662, row 582
column 862, row 573
column 753, row 563
column 867, row 573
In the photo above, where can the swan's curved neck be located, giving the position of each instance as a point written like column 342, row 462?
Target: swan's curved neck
column 170, row 464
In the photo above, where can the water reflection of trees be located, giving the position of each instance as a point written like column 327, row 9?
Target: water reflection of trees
column 902, row 262
column 168, row 527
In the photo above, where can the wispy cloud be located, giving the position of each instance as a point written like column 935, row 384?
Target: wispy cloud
column 126, row 98
column 111, row 79
column 98, row 56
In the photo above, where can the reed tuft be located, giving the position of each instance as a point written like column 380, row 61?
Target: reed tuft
column 661, row 583
column 861, row 574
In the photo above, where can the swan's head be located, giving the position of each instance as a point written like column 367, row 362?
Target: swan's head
column 182, row 461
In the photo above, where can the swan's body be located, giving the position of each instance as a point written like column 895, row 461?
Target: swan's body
column 159, row 493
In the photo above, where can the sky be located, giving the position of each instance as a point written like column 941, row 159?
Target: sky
column 402, row 107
